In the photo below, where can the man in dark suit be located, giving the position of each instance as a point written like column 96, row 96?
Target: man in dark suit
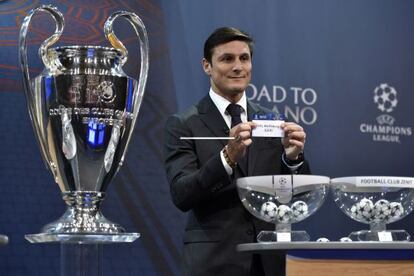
column 202, row 173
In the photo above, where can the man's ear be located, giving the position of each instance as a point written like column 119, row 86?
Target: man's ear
column 206, row 66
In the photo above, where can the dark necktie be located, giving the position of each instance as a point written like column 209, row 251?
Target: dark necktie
column 234, row 110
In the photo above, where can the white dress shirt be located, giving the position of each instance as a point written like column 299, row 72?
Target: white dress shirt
column 222, row 104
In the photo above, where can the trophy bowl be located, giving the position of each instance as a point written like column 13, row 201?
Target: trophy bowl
column 282, row 200
column 83, row 109
column 377, row 201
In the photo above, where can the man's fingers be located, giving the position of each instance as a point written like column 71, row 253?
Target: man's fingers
column 297, row 143
column 238, row 139
column 299, row 135
column 248, row 126
column 247, row 142
column 291, row 127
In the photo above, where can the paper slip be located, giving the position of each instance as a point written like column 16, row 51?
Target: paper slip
column 268, row 128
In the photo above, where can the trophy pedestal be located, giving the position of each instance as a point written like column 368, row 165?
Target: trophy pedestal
column 80, row 259
column 81, row 254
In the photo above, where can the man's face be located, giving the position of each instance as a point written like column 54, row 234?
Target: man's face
column 230, row 69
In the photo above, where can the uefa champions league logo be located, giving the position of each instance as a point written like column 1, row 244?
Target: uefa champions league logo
column 282, row 181
column 385, row 97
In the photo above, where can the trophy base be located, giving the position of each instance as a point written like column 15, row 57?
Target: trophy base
column 82, row 238
column 83, row 223
column 275, row 236
column 381, row 236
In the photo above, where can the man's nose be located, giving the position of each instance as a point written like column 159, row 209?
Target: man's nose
column 237, row 66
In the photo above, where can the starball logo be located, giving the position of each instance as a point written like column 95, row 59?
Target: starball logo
column 385, row 97
column 301, row 101
column 385, row 130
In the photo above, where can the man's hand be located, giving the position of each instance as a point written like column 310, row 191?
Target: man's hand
column 294, row 140
column 236, row 148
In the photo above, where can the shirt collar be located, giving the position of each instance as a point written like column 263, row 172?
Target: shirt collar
column 222, row 102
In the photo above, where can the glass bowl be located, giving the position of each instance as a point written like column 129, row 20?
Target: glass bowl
column 282, row 200
column 377, row 201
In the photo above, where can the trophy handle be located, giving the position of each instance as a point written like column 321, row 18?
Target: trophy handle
column 31, row 98
column 141, row 32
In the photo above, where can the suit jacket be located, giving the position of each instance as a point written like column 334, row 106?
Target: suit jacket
column 199, row 184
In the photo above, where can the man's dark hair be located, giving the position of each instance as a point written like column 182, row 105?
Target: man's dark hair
column 223, row 35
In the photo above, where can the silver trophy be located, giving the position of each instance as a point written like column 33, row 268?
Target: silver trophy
column 83, row 109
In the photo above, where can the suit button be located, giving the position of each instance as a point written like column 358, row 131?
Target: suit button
column 249, row 232
column 217, row 188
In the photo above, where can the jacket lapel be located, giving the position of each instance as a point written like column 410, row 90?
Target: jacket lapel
column 212, row 119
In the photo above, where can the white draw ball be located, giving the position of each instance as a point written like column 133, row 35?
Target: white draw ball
column 299, row 210
column 345, row 239
column 382, row 210
column 322, row 240
column 284, row 213
column 397, row 210
column 269, row 211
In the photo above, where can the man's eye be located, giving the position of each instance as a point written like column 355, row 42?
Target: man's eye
column 245, row 58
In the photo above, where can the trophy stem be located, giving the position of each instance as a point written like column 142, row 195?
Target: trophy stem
column 377, row 226
column 283, row 227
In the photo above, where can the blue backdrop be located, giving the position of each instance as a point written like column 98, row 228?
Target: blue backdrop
column 319, row 62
